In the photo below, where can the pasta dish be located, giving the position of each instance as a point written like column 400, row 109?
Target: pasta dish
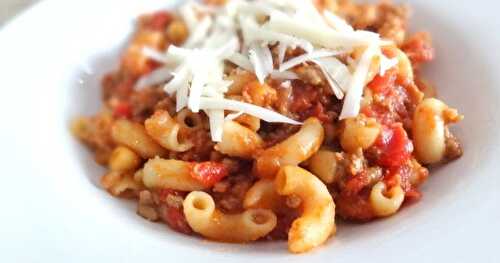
column 242, row 121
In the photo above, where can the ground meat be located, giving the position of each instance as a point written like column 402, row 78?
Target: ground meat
column 144, row 101
column 146, row 207
column 95, row 132
column 202, row 150
column 274, row 133
column 168, row 204
column 285, row 219
column 230, row 192
column 354, row 207
column 388, row 19
column 117, row 85
column 419, row 49
column 453, row 147
column 308, row 100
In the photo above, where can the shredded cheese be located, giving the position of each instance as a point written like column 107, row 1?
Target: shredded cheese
column 352, row 100
column 336, row 70
column 241, row 61
column 158, row 76
column 307, row 57
column 199, row 33
column 251, row 109
column 284, row 75
column 386, row 64
column 243, row 33
column 336, row 22
column 257, row 59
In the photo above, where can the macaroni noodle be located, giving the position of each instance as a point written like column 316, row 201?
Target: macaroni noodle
column 205, row 219
column 172, row 174
column 429, row 123
column 324, row 165
column 238, row 141
column 292, row 151
column 165, row 131
column 386, row 206
column 317, row 221
column 134, row 136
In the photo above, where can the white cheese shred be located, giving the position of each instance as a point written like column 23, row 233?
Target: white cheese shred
column 336, row 22
column 262, row 62
column 156, row 77
column 352, row 100
column 216, row 121
column 284, row 75
column 241, row 61
column 233, row 116
column 250, row 109
column 307, row 57
column 255, row 36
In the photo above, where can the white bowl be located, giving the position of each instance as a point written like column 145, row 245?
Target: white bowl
column 51, row 61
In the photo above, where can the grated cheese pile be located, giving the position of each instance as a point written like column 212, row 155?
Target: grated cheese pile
column 241, row 33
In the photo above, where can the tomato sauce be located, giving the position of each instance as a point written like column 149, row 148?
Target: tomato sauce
column 419, row 48
column 209, row 173
column 394, row 146
column 159, row 20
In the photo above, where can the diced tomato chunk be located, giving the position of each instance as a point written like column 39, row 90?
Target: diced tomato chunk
column 380, row 84
column 174, row 217
column 122, row 110
column 412, row 195
column 394, row 146
column 209, row 173
column 419, row 48
column 160, row 20
column 355, row 184
column 319, row 112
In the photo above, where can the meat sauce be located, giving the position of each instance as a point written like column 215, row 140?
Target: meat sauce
column 392, row 106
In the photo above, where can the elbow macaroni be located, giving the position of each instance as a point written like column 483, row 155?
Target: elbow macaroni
column 134, row 136
column 123, row 159
column 165, row 131
column 172, row 174
column 359, row 132
column 317, row 221
column 292, row 151
column 404, row 66
column 324, row 165
column 205, row 219
column 263, row 195
column 385, row 206
column 249, row 121
column 117, row 183
column 238, row 141
column 189, row 120
column 429, row 123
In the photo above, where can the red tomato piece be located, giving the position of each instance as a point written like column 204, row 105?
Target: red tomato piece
column 394, row 145
column 419, row 48
column 355, row 184
column 319, row 112
column 412, row 195
column 209, row 173
column 160, row 20
column 380, row 84
column 122, row 110
column 174, row 217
